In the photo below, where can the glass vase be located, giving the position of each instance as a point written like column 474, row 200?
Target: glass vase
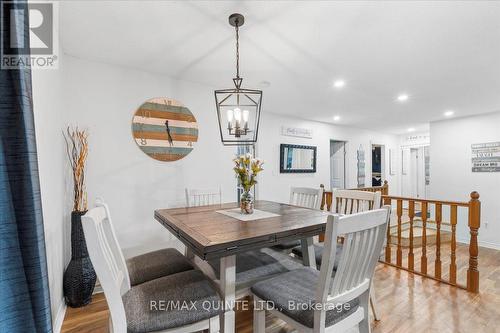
column 246, row 203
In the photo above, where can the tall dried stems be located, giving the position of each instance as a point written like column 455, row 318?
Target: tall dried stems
column 77, row 149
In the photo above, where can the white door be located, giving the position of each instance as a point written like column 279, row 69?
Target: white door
column 337, row 164
column 414, row 173
column 417, row 173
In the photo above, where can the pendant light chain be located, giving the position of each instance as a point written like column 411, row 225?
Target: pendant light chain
column 237, row 51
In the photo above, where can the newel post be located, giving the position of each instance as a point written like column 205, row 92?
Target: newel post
column 385, row 190
column 474, row 224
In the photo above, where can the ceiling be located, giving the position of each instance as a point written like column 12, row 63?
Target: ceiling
column 444, row 55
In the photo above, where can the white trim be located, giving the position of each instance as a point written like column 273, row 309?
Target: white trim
column 486, row 244
column 59, row 319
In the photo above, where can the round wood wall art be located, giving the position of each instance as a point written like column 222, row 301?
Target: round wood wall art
column 164, row 129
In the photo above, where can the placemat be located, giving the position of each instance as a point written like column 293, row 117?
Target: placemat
column 257, row 214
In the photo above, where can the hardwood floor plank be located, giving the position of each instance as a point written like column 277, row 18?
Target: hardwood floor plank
column 406, row 302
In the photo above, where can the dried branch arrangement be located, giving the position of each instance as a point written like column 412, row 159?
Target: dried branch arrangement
column 77, row 149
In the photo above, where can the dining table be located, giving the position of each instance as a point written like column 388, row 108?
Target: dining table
column 220, row 232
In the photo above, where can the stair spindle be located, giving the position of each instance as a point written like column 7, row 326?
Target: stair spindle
column 411, row 255
column 423, row 259
column 453, row 261
column 399, row 252
column 437, row 263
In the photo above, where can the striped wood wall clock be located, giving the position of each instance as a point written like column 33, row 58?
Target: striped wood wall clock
column 164, row 129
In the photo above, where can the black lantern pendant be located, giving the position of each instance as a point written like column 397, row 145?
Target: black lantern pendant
column 238, row 109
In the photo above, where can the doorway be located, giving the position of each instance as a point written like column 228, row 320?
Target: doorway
column 378, row 165
column 337, row 164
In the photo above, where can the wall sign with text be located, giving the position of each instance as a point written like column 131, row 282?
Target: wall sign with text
column 486, row 157
column 297, row 132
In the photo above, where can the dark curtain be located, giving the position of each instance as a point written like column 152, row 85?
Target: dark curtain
column 24, row 291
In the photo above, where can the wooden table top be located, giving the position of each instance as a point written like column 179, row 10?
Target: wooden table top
column 213, row 235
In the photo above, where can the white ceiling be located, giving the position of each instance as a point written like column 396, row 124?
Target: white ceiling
column 445, row 55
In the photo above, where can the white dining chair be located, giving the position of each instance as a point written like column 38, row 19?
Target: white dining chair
column 329, row 300
column 304, row 197
column 348, row 202
column 147, row 266
column 203, row 196
column 353, row 201
column 138, row 308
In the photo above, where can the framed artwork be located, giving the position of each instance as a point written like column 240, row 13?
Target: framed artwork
column 164, row 129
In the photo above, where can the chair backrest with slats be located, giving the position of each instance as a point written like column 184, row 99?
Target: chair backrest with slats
column 306, row 197
column 108, row 261
column 352, row 201
column 203, row 197
column 363, row 239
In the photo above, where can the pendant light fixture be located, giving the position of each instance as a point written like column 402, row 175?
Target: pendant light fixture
column 238, row 109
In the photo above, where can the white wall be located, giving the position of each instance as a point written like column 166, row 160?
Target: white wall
column 104, row 98
column 451, row 175
column 276, row 186
column 49, row 110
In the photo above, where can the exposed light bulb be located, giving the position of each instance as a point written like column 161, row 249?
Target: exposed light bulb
column 336, row 118
column 449, row 113
column 237, row 116
column 245, row 115
column 229, row 116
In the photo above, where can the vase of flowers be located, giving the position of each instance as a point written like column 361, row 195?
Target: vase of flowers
column 246, row 168
column 79, row 277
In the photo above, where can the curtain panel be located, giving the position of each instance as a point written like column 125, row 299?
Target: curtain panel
column 24, row 290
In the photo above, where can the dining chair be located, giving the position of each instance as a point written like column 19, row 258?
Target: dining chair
column 139, row 309
column 348, row 202
column 329, row 300
column 202, row 197
column 304, row 197
column 147, row 266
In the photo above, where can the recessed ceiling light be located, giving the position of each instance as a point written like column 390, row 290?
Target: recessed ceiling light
column 339, row 83
column 336, row 118
column 449, row 113
column 403, row 97
column 411, row 129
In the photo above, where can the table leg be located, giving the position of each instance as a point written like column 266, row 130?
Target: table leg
column 228, row 289
column 189, row 253
column 308, row 256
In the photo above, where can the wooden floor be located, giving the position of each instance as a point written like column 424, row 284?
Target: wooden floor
column 407, row 303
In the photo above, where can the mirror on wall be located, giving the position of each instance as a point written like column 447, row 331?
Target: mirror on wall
column 295, row 158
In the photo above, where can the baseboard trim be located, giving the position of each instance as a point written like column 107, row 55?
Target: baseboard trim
column 58, row 321
column 480, row 243
column 489, row 245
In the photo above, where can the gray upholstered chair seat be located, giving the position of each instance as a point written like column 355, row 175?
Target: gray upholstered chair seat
column 257, row 265
column 289, row 290
column 286, row 245
column 151, row 306
column 156, row 264
column 318, row 254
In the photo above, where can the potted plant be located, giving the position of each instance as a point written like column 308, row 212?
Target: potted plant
column 79, row 277
column 246, row 169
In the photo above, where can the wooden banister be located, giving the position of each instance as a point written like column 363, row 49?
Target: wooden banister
column 427, row 215
column 417, row 214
